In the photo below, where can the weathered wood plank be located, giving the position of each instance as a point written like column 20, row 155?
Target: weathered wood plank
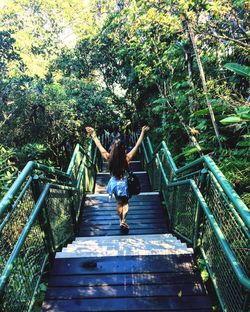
column 128, row 264
column 131, row 291
column 188, row 303
column 124, row 279
column 131, row 231
column 116, row 225
column 114, row 221
column 140, row 197
column 105, row 212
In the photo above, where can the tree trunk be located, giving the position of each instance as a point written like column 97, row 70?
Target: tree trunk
column 175, row 108
column 203, row 80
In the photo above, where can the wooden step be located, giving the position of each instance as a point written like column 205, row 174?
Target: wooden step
column 125, row 246
column 162, row 236
column 132, row 283
column 100, row 218
column 118, row 231
column 104, row 198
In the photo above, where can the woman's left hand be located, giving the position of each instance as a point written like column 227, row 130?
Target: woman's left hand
column 145, row 129
column 90, row 130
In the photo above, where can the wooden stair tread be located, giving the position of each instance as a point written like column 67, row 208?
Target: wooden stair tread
column 147, row 283
column 130, row 264
column 186, row 303
column 124, row 278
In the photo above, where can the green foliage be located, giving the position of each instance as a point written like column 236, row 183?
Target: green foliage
column 134, row 64
column 7, row 50
column 68, row 64
column 242, row 70
column 242, row 115
column 203, row 269
column 8, row 169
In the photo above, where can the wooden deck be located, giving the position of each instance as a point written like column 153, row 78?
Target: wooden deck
column 154, row 282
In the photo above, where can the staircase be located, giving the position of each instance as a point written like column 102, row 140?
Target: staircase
column 107, row 269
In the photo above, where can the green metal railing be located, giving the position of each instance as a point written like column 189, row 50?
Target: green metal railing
column 205, row 211
column 37, row 218
column 40, row 212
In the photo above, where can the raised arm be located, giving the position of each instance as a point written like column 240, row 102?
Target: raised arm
column 102, row 150
column 132, row 153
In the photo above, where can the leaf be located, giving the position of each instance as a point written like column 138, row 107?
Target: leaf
column 243, row 144
column 229, row 120
column 243, row 112
column 242, row 70
column 204, row 275
column 203, row 112
column 43, row 287
column 191, row 151
column 158, row 109
column 160, row 101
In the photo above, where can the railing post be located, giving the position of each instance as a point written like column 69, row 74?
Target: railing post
column 246, row 303
column 43, row 217
column 172, row 201
column 73, row 212
column 199, row 212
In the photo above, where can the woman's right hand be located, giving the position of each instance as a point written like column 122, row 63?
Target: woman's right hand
column 90, row 130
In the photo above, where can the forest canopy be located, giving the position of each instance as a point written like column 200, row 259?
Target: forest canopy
column 180, row 66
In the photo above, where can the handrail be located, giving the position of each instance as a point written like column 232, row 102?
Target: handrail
column 210, row 164
column 234, row 197
column 242, row 277
column 16, row 186
column 30, row 166
column 27, row 170
column 9, row 265
column 73, row 158
column 7, row 217
column 241, row 207
column 72, row 161
column 9, row 196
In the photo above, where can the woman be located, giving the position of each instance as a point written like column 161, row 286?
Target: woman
column 119, row 162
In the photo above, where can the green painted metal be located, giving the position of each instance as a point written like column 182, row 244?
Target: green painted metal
column 244, row 280
column 13, row 207
column 31, row 165
column 226, row 186
column 72, row 161
column 145, row 152
column 50, row 209
column 234, row 197
column 35, row 292
column 9, row 196
column 9, row 265
column 170, row 158
column 225, row 215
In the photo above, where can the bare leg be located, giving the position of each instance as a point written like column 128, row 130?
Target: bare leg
column 120, row 211
column 124, row 212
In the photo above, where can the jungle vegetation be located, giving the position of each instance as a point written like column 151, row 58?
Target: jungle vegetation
column 181, row 66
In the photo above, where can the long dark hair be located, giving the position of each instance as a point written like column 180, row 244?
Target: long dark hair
column 117, row 160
